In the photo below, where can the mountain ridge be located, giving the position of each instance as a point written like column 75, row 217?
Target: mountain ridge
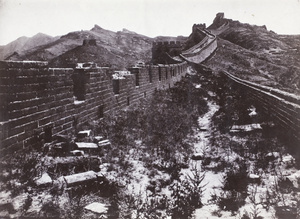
column 256, row 54
column 121, row 47
column 249, row 51
column 25, row 43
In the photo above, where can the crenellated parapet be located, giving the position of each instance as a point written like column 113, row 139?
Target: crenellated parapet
column 283, row 107
column 38, row 102
column 167, row 43
column 198, row 26
column 199, row 46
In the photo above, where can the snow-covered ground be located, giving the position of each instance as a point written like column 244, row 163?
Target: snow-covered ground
column 256, row 192
column 213, row 181
column 138, row 178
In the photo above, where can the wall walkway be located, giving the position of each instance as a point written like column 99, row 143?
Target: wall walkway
column 201, row 51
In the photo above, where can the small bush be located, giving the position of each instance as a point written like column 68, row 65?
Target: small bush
column 187, row 194
column 231, row 201
column 285, row 185
column 27, row 204
column 235, row 189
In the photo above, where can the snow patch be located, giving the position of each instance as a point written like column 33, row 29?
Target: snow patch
column 245, row 128
column 86, row 145
column 77, row 102
column 253, row 176
column 120, row 74
column 253, row 112
column 97, row 207
column 85, row 132
column 294, row 178
column 288, row 159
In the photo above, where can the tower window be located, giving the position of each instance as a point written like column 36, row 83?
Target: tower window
column 101, row 112
column 116, row 86
column 159, row 73
column 79, row 81
column 48, row 134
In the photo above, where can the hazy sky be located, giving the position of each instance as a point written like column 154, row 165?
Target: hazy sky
column 149, row 17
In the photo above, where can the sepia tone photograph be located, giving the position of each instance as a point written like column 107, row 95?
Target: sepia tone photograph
column 150, row 109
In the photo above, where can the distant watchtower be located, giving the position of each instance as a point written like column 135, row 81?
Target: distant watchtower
column 200, row 26
column 89, row 42
column 219, row 19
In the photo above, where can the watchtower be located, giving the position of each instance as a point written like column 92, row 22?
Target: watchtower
column 162, row 50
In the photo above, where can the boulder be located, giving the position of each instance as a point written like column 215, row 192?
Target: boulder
column 44, row 180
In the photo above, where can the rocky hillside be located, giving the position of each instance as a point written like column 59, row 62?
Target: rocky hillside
column 248, row 51
column 117, row 49
column 254, row 53
column 24, row 43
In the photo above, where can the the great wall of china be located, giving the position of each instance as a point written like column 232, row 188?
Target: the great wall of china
column 38, row 101
column 202, row 50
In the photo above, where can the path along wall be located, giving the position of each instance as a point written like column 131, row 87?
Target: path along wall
column 283, row 106
column 202, row 50
column 38, row 102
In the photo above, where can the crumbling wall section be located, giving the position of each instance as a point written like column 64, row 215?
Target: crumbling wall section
column 36, row 99
column 38, row 102
column 96, row 98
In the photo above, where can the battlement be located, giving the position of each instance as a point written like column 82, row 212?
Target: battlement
column 166, row 43
column 38, row 101
column 199, row 26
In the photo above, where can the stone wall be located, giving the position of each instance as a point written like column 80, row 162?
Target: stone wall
column 202, row 53
column 202, row 50
column 282, row 106
column 38, row 102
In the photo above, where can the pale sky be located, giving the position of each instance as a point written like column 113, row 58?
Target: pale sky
column 148, row 17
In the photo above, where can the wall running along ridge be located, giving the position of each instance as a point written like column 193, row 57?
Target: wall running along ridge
column 202, row 50
column 37, row 101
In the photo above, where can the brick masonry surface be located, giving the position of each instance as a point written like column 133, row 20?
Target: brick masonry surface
column 282, row 106
column 38, row 100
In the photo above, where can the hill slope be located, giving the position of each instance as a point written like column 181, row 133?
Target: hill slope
column 256, row 54
column 118, row 49
column 24, row 43
column 248, row 51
